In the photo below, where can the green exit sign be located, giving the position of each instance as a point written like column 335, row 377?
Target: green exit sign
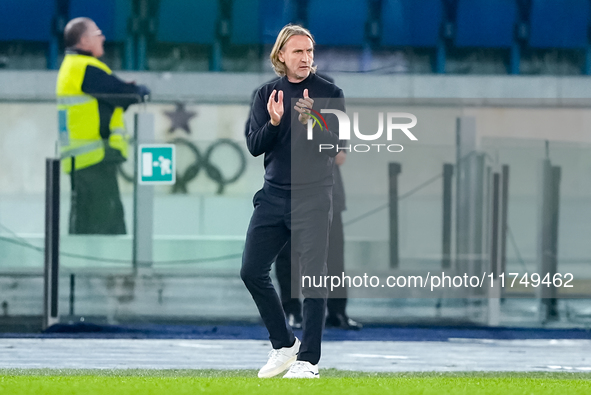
column 157, row 164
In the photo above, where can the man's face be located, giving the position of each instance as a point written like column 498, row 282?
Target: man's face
column 298, row 56
column 93, row 40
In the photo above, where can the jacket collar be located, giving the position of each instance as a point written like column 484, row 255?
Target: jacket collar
column 77, row 51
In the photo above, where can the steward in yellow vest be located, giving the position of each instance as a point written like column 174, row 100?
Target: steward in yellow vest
column 91, row 102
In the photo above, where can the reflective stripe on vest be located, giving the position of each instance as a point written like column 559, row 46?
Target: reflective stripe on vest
column 73, row 100
column 82, row 149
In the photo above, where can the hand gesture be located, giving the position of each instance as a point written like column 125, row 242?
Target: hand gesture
column 303, row 106
column 275, row 108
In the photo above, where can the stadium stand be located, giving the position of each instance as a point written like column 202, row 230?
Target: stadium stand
column 445, row 28
column 187, row 21
column 335, row 25
column 489, row 24
column 114, row 19
column 407, row 23
column 190, row 22
column 111, row 15
column 38, row 14
column 275, row 15
column 246, row 22
column 38, row 30
column 483, row 23
column 559, row 24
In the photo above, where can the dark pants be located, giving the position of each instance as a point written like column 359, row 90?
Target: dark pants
column 96, row 206
column 287, row 276
column 303, row 217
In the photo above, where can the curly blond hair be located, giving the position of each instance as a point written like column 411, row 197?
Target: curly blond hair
column 285, row 34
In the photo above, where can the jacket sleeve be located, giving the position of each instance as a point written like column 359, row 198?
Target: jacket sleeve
column 110, row 89
column 261, row 135
column 247, row 125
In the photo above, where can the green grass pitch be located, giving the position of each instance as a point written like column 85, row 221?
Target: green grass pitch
column 157, row 382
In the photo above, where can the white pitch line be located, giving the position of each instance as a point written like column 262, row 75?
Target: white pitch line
column 376, row 356
column 379, row 356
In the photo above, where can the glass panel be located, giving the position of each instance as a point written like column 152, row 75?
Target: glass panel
column 199, row 224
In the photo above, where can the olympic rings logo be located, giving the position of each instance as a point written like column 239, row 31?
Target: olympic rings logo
column 203, row 161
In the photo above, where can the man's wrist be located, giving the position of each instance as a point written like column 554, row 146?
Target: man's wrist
column 275, row 124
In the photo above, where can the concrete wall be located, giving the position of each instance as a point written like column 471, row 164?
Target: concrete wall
column 238, row 87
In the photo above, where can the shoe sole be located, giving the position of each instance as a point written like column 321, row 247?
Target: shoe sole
column 316, row 376
column 278, row 370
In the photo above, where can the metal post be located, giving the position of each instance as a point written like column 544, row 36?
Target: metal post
column 393, row 171
column 440, row 57
column 477, row 208
column 587, row 66
column 52, row 53
column 488, row 215
column 448, row 172
column 142, row 48
column 128, row 52
column 549, row 239
column 52, row 240
column 72, row 292
column 365, row 60
column 498, row 235
column 72, row 174
column 143, row 202
column 465, row 174
column 142, row 40
column 495, row 225
column 504, row 218
column 515, row 59
column 556, row 176
column 58, row 24
column 216, row 56
column 552, row 301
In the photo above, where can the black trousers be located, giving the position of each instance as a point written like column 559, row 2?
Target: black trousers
column 96, row 206
column 304, row 217
column 286, row 268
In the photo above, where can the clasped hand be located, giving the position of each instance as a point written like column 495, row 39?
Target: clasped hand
column 275, row 108
column 304, row 107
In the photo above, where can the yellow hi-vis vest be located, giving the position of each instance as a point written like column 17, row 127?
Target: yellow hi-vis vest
column 78, row 116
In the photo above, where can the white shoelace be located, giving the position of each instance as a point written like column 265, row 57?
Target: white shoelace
column 298, row 366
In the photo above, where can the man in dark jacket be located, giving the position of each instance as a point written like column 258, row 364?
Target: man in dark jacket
column 287, row 273
column 296, row 200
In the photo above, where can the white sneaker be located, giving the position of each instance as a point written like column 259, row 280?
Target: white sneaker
column 280, row 360
column 302, row 370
